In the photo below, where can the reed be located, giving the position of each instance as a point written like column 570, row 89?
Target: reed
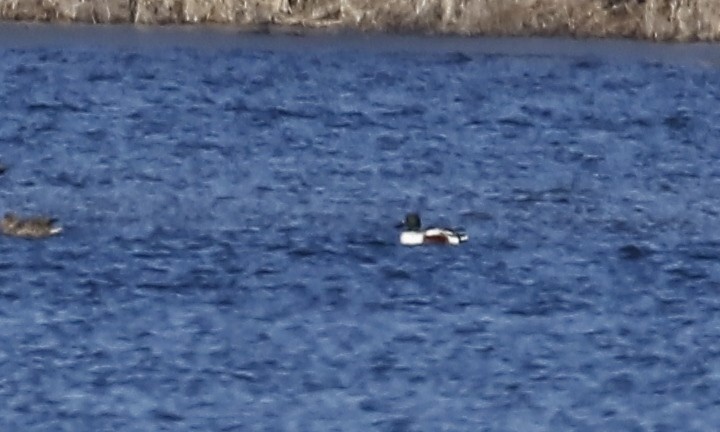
column 680, row 20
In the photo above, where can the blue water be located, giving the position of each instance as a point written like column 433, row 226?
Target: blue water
column 230, row 262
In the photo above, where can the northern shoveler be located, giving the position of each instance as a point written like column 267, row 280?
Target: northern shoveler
column 414, row 235
column 30, row 227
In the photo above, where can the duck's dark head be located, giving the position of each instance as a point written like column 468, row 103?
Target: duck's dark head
column 411, row 222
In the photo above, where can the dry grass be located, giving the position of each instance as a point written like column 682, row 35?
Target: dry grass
column 681, row 20
column 653, row 19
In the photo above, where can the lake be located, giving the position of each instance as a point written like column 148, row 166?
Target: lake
column 230, row 261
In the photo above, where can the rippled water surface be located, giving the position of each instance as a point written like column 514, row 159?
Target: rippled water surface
column 230, row 262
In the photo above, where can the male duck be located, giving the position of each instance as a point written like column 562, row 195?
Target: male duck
column 30, row 227
column 414, row 235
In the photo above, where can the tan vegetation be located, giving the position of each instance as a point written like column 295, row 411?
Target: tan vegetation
column 681, row 20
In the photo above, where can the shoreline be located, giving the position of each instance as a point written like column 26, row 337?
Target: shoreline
column 654, row 20
column 219, row 37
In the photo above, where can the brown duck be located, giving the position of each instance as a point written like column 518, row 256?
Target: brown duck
column 29, row 227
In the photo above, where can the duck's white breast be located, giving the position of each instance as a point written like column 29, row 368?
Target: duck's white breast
column 411, row 238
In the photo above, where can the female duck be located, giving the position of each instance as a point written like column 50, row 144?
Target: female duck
column 414, row 235
column 30, row 227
